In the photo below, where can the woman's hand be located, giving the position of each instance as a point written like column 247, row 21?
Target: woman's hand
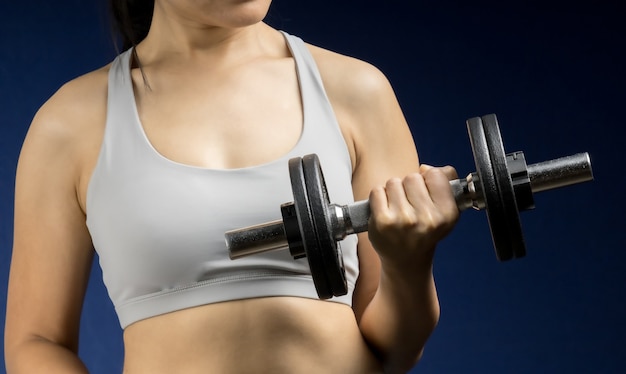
column 409, row 216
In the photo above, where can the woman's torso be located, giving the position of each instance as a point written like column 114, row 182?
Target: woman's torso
column 276, row 334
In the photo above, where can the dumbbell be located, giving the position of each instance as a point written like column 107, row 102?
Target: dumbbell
column 503, row 185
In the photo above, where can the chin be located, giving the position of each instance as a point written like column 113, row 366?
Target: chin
column 242, row 13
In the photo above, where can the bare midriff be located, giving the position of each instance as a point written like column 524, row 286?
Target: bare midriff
column 265, row 335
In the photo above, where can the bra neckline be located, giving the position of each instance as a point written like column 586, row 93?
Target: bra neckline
column 282, row 160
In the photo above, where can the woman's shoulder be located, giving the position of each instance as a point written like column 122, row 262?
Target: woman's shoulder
column 351, row 82
column 366, row 107
column 78, row 97
column 76, row 108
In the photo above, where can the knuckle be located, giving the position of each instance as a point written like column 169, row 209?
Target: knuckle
column 407, row 219
column 377, row 191
column 435, row 173
column 436, row 221
column 412, row 179
column 382, row 220
column 450, row 172
column 393, row 182
column 400, row 220
column 431, row 222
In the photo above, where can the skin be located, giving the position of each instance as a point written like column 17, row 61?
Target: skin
column 223, row 44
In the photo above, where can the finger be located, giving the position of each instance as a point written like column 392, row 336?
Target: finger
column 378, row 199
column 448, row 170
column 416, row 191
column 438, row 185
column 397, row 194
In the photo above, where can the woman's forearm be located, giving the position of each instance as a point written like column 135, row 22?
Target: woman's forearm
column 401, row 316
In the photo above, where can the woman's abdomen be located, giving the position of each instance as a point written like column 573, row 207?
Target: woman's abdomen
column 266, row 335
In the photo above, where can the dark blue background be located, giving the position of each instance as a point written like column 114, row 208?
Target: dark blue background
column 553, row 72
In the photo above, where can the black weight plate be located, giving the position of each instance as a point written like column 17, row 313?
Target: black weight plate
column 513, row 236
column 307, row 229
column 489, row 186
column 319, row 202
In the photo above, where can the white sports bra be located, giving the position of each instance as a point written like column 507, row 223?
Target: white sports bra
column 158, row 226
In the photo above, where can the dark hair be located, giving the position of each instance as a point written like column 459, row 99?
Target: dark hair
column 131, row 20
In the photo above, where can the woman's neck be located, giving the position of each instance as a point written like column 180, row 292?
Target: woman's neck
column 194, row 33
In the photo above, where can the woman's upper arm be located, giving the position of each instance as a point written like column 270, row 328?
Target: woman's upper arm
column 52, row 251
column 380, row 142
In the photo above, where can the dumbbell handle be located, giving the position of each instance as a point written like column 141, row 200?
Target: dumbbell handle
column 353, row 218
